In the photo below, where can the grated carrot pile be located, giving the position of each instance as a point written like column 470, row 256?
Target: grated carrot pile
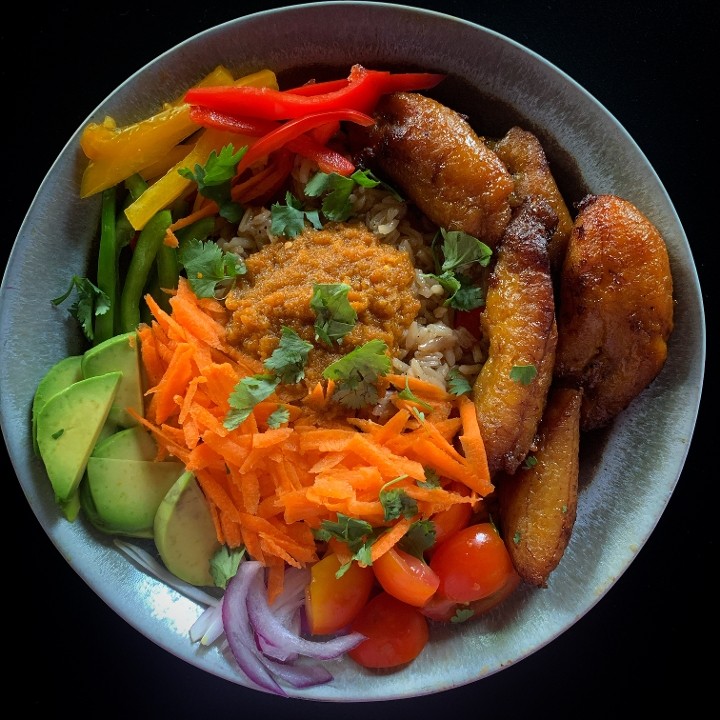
column 269, row 488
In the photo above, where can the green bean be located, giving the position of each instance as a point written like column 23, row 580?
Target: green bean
column 199, row 230
column 168, row 270
column 143, row 259
column 107, row 268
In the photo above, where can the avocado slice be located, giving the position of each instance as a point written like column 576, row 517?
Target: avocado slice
column 122, row 353
column 61, row 375
column 126, row 493
column 133, row 443
column 68, row 426
column 185, row 533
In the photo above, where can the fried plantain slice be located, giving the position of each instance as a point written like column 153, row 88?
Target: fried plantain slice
column 615, row 310
column 434, row 156
column 538, row 504
column 519, row 322
column 525, row 158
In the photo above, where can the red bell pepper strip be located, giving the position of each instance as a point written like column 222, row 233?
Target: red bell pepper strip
column 306, row 145
column 362, row 91
column 293, row 129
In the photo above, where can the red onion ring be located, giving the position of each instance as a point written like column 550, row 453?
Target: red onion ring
column 266, row 641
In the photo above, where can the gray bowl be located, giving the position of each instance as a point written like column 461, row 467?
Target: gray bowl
column 496, row 82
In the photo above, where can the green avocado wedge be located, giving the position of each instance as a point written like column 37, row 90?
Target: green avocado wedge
column 122, row 353
column 68, row 426
column 134, row 443
column 61, row 375
column 127, row 493
column 184, row 532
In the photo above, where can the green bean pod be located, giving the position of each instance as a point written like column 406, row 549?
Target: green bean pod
column 107, row 268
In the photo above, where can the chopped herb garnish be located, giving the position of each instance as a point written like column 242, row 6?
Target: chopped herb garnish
column 407, row 394
column 432, row 479
column 396, row 502
column 91, row 301
column 460, row 251
column 357, row 534
column 517, row 537
column 214, row 180
column 356, row 374
column 278, row 417
column 289, row 219
column 461, row 615
column 206, row 265
column 419, row 537
column 523, row 374
column 335, row 317
column 530, row 462
column 224, row 564
column 246, row 395
column 289, row 358
column 458, row 384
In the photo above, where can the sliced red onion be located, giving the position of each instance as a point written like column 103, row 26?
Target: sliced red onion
column 238, row 631
column 208, row 627
column 266, row 641
column 278, row 640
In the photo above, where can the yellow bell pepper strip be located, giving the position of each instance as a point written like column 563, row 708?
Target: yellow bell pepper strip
column 362, row 92
column 173, row 185
column 141, row 262
column 116, row 154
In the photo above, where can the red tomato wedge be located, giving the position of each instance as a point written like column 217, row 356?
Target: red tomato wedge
column 396, row 633
column 331, row 602
column 406, row 577
column 472, row 564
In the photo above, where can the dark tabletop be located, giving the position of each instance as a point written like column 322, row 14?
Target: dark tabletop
column 642, row 646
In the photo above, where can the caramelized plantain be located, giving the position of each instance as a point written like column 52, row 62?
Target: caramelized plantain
column 519, row 322
column 434, row 156
column 615, row 307
column 537, row 505
column 525, row 158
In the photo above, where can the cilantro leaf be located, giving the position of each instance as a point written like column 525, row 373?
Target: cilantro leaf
column 224, row 564
column 358, row 535
column 524, row 374
column 289, row 358
column 397, row 503
column 214, row 180
column 432, row 479
column 336, row 205
column 289, row 219
column 356, row 374
column 247, row 394
column 462, row 614
column 458, row 383
column 91, row 301
column 278, row 417
column 460, row 250
column 335, row 317
column 419, row 537
column 206, row 265
column 407, row 394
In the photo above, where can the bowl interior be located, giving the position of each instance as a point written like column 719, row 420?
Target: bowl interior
column 497, row 83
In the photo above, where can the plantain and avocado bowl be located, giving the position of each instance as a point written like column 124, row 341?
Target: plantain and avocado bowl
column 102, row 462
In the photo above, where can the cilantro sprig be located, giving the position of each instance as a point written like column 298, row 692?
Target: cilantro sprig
column 460, row 251
column 356, row 374
column 214, row 180
column 206, row 265
column 335, row 317
column 90, row 302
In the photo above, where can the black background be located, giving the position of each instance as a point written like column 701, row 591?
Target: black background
column 644, row 645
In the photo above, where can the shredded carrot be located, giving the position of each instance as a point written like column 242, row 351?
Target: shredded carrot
column 268, row 488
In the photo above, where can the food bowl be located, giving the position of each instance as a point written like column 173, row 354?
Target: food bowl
column 497, row 83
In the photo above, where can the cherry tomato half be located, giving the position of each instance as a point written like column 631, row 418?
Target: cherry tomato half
column 472, row 564
column 396, row 633
column 443, row 610
column 448, row 522
column 331, row 603
column 406, row 577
